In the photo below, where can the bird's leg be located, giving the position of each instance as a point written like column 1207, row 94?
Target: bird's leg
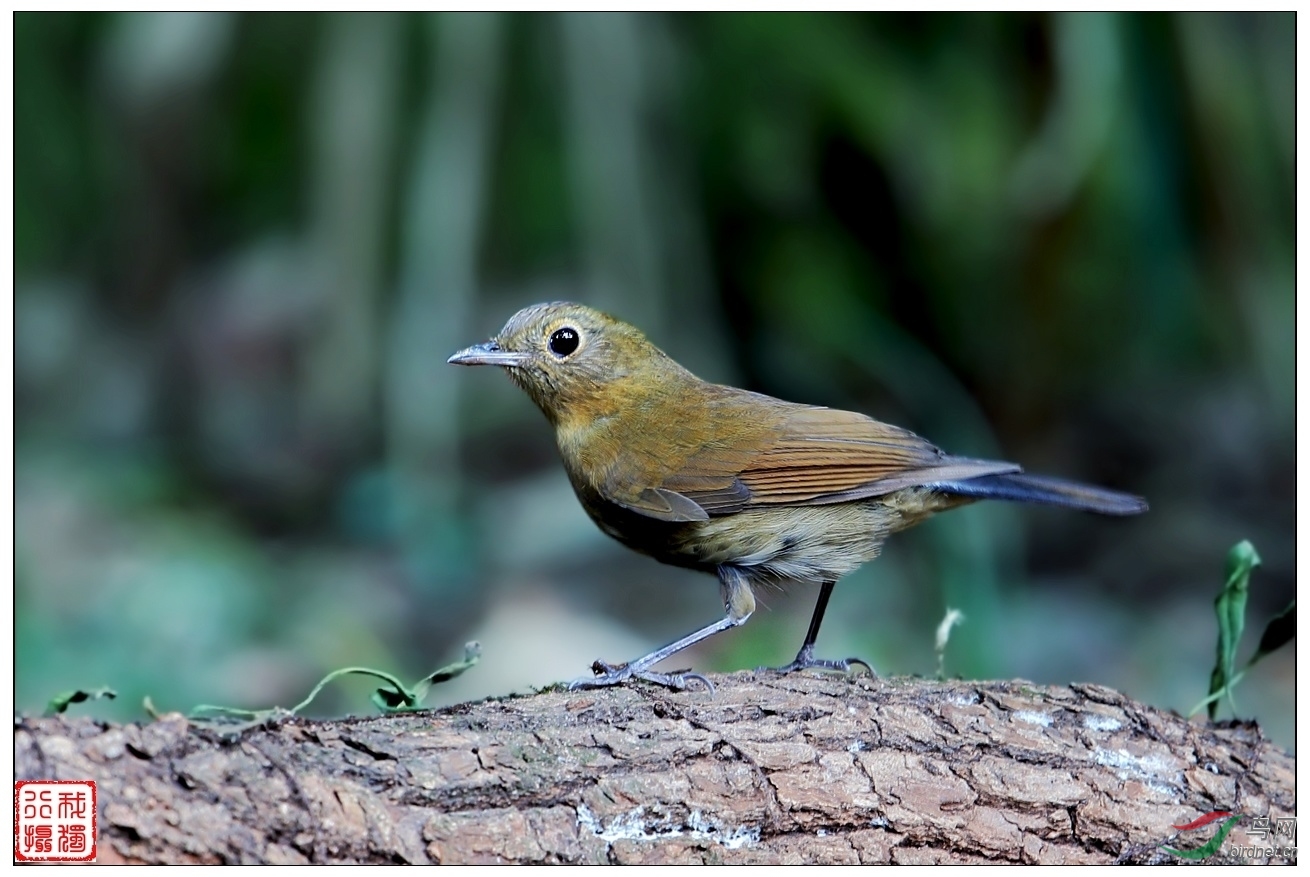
column 738, row 601
column 805, row 657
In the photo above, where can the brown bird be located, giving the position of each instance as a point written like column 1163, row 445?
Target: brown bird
column 713, row 478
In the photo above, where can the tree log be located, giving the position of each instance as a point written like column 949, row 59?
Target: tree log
column 777, row 769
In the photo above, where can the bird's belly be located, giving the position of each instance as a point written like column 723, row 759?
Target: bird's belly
column 797, row 543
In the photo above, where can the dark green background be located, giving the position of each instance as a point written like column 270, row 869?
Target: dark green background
column 245, row 245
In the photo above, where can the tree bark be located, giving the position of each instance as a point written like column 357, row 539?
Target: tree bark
column 769, row 768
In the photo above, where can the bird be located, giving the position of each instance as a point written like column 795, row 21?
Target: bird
column 753, row 489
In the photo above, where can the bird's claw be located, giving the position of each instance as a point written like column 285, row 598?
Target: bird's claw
column 609, row 674
column 807, row 661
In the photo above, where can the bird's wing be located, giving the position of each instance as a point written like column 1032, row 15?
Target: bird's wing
column 825, row 456
column 755, row 451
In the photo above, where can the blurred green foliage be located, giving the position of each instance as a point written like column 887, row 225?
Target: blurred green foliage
column 245, row 244
column 395, row 697
column 1230, row 609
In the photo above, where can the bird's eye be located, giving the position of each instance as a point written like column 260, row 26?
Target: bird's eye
column 564, row 341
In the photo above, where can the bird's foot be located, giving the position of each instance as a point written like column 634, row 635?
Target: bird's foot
column 610, row 674
column 805, row 660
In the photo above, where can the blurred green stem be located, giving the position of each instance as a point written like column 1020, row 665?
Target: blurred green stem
column 443, row 215
column 354, row 125
column 612, row 172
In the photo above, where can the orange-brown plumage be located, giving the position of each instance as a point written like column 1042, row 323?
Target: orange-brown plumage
column 737, row 483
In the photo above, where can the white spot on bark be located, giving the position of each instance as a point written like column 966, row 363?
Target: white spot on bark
column 1094, row 722
column 640, row 825
column 1155, row 770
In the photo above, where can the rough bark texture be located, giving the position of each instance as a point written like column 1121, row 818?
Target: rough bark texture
column 769, row 769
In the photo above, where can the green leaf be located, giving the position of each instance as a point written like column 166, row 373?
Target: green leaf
column 472, row 654
column 1280, row 631
column 388, row 700
column 385, row 700
column 1210, row 848
column 1230, row 607
column 61, row 702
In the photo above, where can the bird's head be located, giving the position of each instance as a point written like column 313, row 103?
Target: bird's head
column 572, row 360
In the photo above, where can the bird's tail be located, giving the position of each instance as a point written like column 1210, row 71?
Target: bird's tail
column 1021, row 487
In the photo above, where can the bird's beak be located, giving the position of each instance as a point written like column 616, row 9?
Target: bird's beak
column 488, row 353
